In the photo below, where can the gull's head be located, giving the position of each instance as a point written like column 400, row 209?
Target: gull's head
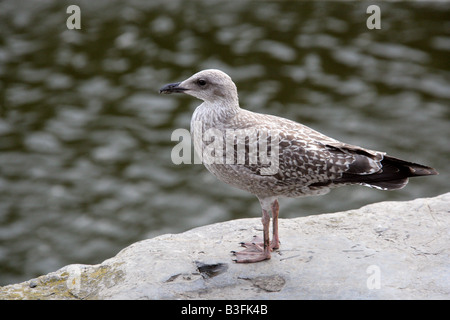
column 208, row 85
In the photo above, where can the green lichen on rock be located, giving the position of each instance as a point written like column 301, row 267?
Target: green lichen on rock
column 73, row 282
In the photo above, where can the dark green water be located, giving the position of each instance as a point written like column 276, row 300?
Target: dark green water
column 85, row 166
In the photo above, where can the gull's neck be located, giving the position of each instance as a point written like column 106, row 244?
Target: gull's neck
column 217, row 113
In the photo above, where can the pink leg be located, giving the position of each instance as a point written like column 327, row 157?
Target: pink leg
column 275, row 243
column 275, row 239
column 256, row 250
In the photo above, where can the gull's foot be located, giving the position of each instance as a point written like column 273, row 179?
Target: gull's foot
column 259, row 241
column 253, row 252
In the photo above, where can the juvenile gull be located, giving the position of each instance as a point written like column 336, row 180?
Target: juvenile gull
column 308, row 162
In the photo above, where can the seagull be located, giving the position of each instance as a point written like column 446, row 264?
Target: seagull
column 307, row 162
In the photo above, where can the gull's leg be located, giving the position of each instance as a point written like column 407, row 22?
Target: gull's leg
column 275, row 239
column 256, row 252
column 275, row 243
column 266, row 222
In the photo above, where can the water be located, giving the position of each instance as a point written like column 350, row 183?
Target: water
column 85, row 166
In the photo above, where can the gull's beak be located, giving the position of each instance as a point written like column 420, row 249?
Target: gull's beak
column 172, row 87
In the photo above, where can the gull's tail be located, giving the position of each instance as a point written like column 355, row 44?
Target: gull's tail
column 394, row 174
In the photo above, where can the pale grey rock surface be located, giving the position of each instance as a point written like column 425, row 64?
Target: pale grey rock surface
column 388, row 250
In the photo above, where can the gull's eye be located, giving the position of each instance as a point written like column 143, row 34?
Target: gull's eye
column 201, row 82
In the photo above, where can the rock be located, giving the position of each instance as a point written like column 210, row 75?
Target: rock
column 388, row 250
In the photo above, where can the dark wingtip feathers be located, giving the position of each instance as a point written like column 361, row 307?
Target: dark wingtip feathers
column 419, row 170
column 410, row 168
column 394, row 174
